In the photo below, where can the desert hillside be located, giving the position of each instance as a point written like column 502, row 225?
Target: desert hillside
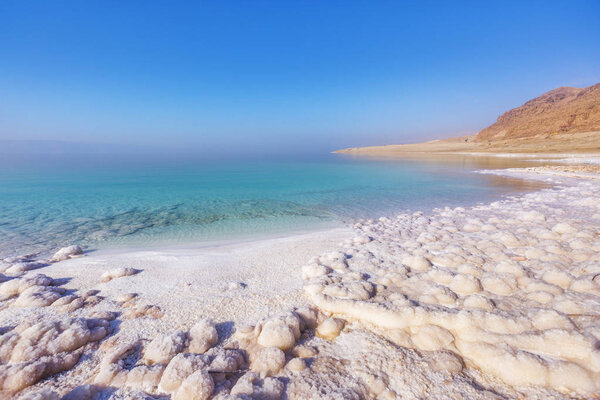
column 566, row 119
column 559, row 111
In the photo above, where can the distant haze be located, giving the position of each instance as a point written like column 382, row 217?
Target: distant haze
column 226, row 78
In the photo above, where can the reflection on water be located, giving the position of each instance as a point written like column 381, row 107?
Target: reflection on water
column 99, row 202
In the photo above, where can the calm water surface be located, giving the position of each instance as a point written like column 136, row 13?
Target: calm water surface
column 101, row 201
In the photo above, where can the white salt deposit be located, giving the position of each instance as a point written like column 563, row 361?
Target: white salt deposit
column 66, row 252
column 494, row 301
column 117, row 273
column 510, row 302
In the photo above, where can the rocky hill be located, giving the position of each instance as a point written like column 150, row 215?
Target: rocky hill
column 559, row 111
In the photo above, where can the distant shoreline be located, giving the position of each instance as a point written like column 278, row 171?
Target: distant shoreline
column 585, row 142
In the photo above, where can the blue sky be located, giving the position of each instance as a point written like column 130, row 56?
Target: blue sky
column 282, row 76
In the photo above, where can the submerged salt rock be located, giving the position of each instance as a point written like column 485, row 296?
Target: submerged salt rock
column 197, row 386
column 66, row 252
column 163, row 348
column 203, row 336
column 118, row 273
column 179, row 368
column 268, row 361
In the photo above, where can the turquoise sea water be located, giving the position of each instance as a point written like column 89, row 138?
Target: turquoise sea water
column 101, row 201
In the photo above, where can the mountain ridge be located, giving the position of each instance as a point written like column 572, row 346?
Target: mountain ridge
column 558, row 111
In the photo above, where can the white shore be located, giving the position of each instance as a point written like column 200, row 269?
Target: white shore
column 494, row 301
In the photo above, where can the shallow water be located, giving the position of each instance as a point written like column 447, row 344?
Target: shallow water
column 100, row 201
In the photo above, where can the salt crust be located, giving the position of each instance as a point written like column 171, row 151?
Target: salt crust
column 512, row 288
column 117, row 273
column 502, row 292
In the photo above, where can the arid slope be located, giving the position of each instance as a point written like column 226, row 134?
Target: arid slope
column 562, row 120
column 562, row 110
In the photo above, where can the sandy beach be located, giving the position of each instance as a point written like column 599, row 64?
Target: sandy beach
column 572, row 143
column 498, row 301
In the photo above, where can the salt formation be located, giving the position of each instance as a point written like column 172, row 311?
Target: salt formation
column 118, row 273
column 66, row 252
column 136, row 309
column 30, row 291
column 33, row 351
column 510, row 289
column 16, row 266
column 169, row 365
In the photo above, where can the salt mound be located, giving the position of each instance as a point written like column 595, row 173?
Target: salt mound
column 66, row 252
column 24, row 266
column 31, row 352
column 250, row 385
column 118, row 273
column 513, row 300
column 163, row 348
column 197, row 386
column 269, row 361
column 179, row 368
column 203, row 336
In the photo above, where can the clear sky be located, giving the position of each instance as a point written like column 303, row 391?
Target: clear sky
column 282, row 76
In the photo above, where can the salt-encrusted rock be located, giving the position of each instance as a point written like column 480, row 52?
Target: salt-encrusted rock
column 44, row 394
column 314, row 271
column 304, row 351
column 308, row 317
column 179, row 368
column 31, row 352
column 296, row 365
column 203, row 336
column 66, row 252
column 330, row 328
column 563, row 228
column 163, row 348
column 117, row 372
column 446, row 361
column 17, row 286
column 250, row 385
column 281, row 332
column 118, row 273
column 24, row 266
column 226, row 360
column 531, row 216
column 38, row 296
column 83, row 392
column 197, row 386
column 142, row 310
column 268, row 361
column 417, row 263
